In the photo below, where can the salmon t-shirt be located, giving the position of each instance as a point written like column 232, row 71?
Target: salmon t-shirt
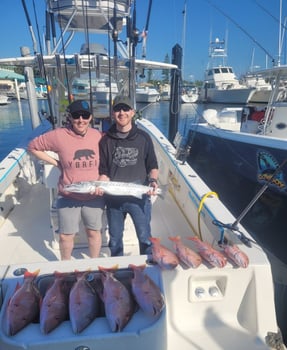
column 78, row 156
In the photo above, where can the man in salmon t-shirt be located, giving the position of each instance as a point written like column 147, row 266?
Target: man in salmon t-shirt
column 77, row 147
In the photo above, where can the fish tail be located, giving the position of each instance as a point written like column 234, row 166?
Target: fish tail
column 193, row 238
column 31, row 274
column 174, row 238
column 162, row 191
column 154, row 239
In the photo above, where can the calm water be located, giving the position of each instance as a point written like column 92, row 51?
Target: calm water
column 267, row 219
column 15, row 123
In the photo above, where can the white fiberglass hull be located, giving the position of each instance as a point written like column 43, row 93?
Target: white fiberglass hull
column 232, row 96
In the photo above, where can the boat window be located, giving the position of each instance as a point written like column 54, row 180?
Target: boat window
column 224, row 70
column 209, row 72
column 230, row 70
column 5, row 87
column 216, row 70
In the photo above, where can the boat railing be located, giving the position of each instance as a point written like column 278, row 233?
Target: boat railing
column 14, row 166
column 122, row 6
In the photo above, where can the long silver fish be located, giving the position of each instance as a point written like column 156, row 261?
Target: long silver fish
column 113, row 188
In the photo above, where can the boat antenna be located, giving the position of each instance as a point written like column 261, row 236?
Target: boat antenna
column 243, row 30
column 30, row 27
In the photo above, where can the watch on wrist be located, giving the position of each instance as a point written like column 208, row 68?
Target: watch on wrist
column 151, row 179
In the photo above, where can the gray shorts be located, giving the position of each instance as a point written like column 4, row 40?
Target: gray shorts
column 71, row 212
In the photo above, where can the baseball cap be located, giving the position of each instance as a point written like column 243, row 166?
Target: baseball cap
column 122, row 100
column 79, row 106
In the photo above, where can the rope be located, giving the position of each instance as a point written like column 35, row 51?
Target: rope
column 203, row 199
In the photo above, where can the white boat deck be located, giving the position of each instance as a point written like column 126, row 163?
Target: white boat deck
column 26, row 236
column 206, row 307
column 27, row 241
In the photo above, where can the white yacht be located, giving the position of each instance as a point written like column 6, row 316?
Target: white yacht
column 220, row 83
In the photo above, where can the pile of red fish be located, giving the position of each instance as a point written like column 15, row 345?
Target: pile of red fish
column 187, row 257
column 81, row 297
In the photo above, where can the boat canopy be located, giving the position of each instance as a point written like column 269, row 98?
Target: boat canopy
column 97, row 15
column 10, row 75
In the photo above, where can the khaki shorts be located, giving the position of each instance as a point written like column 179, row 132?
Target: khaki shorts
column 71, row 212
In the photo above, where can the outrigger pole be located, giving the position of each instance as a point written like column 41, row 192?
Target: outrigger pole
column 257, row 196
column 234, row 227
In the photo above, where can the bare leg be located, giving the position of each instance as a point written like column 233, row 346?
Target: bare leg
column 66, row 244
column 95, row 242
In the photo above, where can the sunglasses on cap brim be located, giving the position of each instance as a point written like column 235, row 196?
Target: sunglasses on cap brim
column 121, row 107
column 77, row 115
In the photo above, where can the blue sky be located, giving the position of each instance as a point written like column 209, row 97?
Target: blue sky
column 245, row 22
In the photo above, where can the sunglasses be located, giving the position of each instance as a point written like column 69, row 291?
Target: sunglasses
column 119, row 108
column 77, row 115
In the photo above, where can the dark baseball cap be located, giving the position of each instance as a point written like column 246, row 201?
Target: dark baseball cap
column 79, row 106
column 122, row 100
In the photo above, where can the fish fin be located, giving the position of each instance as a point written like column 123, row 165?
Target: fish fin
column 154, row 239
column 137, row 267
column 163, row 190
column 31, row 274
column 174, row 238
column 108, row 269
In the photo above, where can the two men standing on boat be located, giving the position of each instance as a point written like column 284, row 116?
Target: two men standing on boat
column 124, row 154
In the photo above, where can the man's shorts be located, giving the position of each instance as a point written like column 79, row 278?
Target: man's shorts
column 71, row 212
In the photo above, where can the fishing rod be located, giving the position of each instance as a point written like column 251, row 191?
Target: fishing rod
column 39, row 56
column 282, row 27
column 234, row 227
column 30, row 26
column 87, row 35
column 133, row 39
column 243, row 30
column 52, row 119
column 258, row 195
column 145, row 31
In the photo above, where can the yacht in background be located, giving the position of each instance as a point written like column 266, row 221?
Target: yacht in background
column 4, row 100
column 262, row 87
column 147, row 94
column 220, row 83
column 189, row 94
column 101, row 89
column 252, row 141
